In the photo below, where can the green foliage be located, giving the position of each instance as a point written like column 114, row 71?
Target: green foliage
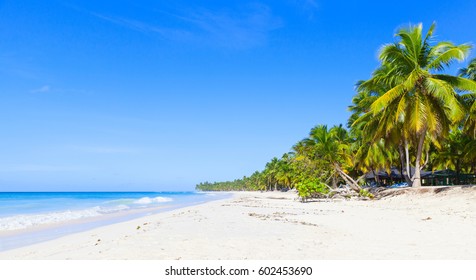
column 366, row 193
column 310, row 188
column 409, row 112
column 414, row 105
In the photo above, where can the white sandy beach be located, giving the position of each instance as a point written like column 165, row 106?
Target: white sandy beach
column 274, row 225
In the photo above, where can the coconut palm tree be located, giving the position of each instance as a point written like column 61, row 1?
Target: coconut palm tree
column 374, row 157
column 331, row 147
column 470, row 71
column 422, row 102
column 376, row 140
column 271, row 171
column 470, row 155
column 284, row 175
column 452, row 154
column 469, row 99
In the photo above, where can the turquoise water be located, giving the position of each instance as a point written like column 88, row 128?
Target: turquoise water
column 31, row 217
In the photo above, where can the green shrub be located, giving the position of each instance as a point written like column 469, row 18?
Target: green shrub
column 309, row 188
column 366, row 193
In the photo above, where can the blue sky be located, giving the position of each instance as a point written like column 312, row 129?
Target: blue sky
column 161, row 95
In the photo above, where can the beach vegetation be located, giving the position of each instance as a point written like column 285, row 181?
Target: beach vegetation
column 312, row 188
column 418, row 99
column 410, row 114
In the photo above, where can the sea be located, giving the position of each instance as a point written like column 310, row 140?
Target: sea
column 32, row 217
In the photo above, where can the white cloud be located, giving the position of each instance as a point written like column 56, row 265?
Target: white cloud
column 242, row 29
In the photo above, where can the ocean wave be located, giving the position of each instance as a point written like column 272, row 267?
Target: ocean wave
column 27, row 221
column 119, row 201
column 117, row 208
column 147, row 200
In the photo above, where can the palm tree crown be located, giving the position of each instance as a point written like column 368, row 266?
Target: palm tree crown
column 420, row 101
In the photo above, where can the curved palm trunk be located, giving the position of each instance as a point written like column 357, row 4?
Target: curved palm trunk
column 349, row 181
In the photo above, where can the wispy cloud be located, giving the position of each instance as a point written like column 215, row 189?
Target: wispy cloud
column 247, row 28
column 43, row 89
column 140, row 26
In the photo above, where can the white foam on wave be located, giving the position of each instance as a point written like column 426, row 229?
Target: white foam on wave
column 27, row 221
column 147, row 200
column 114, row 209
column 120, row 201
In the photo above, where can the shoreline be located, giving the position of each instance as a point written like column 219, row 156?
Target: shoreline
column 274, row 225
column 22, row 237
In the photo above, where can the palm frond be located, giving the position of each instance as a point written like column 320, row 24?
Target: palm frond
column 416, row 114
column 426, row 47
column 400, row 112
column 460, row 83
column 411, row 40
column 393, row 52
column 470, row 71
column 445, row 95
column 384, row 100
column 444, row 53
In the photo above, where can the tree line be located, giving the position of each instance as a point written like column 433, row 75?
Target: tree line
column 410, row 114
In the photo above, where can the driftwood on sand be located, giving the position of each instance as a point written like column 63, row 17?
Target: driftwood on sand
column 345, row 192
